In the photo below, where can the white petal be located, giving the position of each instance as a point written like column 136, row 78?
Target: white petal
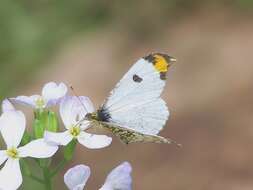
column 93, row 141
column 3, row 156
column 26, row 100
column 10, row 175
column 119, row 178
column 38, row 149
column 62, row 138
column 85, row 106
column 7, row 106
column 69, row 110
column 75, row 178
column 85, row 125
column 12, row 127
column 52, row 92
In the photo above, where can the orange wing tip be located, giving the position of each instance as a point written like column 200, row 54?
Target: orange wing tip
column 160, row 61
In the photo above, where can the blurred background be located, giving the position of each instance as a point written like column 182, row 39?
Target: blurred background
column 91, row 44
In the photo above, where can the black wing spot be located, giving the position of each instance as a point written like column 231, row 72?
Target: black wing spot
column 137, row 78
column 163, row 75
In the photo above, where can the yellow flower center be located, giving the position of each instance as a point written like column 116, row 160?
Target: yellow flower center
column 12, row 152
column 74, row 131
column 40, row 103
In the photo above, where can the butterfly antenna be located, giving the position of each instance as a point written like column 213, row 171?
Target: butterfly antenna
column 10, row 100
column 80, row 101
column 76, row 95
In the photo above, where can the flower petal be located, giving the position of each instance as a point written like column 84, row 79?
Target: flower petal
column 93, row 141
column 85, row 125
column 69, row 110
column 12, row 127
column 119, row 178
column 7, row 106
column 85, row 106
column 62, row 138
column 3, row 156
column 75, row 178
column 26, row 100
column 52, row 92
column 38, row 149
column 10, row 175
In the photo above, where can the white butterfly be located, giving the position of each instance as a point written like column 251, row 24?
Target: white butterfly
column 134, row 111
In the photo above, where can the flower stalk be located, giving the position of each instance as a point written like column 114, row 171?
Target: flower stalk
column 47, row 179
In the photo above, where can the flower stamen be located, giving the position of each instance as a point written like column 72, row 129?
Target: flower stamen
column 12, row 152
column 74, row 131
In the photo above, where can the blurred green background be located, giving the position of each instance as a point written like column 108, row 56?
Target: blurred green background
column 91, row 44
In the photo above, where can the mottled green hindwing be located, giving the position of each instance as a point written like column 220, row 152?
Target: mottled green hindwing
column 130, row 136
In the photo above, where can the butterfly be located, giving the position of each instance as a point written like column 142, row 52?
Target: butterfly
column 134, row 110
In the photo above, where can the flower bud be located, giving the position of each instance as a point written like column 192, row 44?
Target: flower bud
column 52, row 122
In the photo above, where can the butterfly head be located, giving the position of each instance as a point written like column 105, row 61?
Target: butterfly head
column 100, row 115
column 91, row 116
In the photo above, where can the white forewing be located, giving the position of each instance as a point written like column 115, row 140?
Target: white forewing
column 137, row 104
column 127, row 89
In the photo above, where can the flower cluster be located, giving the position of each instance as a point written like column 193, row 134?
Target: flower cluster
column 45, row 139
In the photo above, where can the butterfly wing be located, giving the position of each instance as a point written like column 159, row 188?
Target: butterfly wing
column 135, row 102
column 127, row 135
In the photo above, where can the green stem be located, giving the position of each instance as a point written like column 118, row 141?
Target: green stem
column 47, row 178
column 26, row 171
column 37, row 179
column 58, row 168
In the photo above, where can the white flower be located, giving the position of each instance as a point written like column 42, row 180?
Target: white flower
column 73, row 110
column 75, row 178
column 7, row 106
column 119, row 178
column 12, row 127
column 51, row 94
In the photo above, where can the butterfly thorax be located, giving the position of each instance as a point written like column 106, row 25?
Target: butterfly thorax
column 101, row 114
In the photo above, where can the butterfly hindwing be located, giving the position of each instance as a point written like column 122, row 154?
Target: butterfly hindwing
column 131, row 136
